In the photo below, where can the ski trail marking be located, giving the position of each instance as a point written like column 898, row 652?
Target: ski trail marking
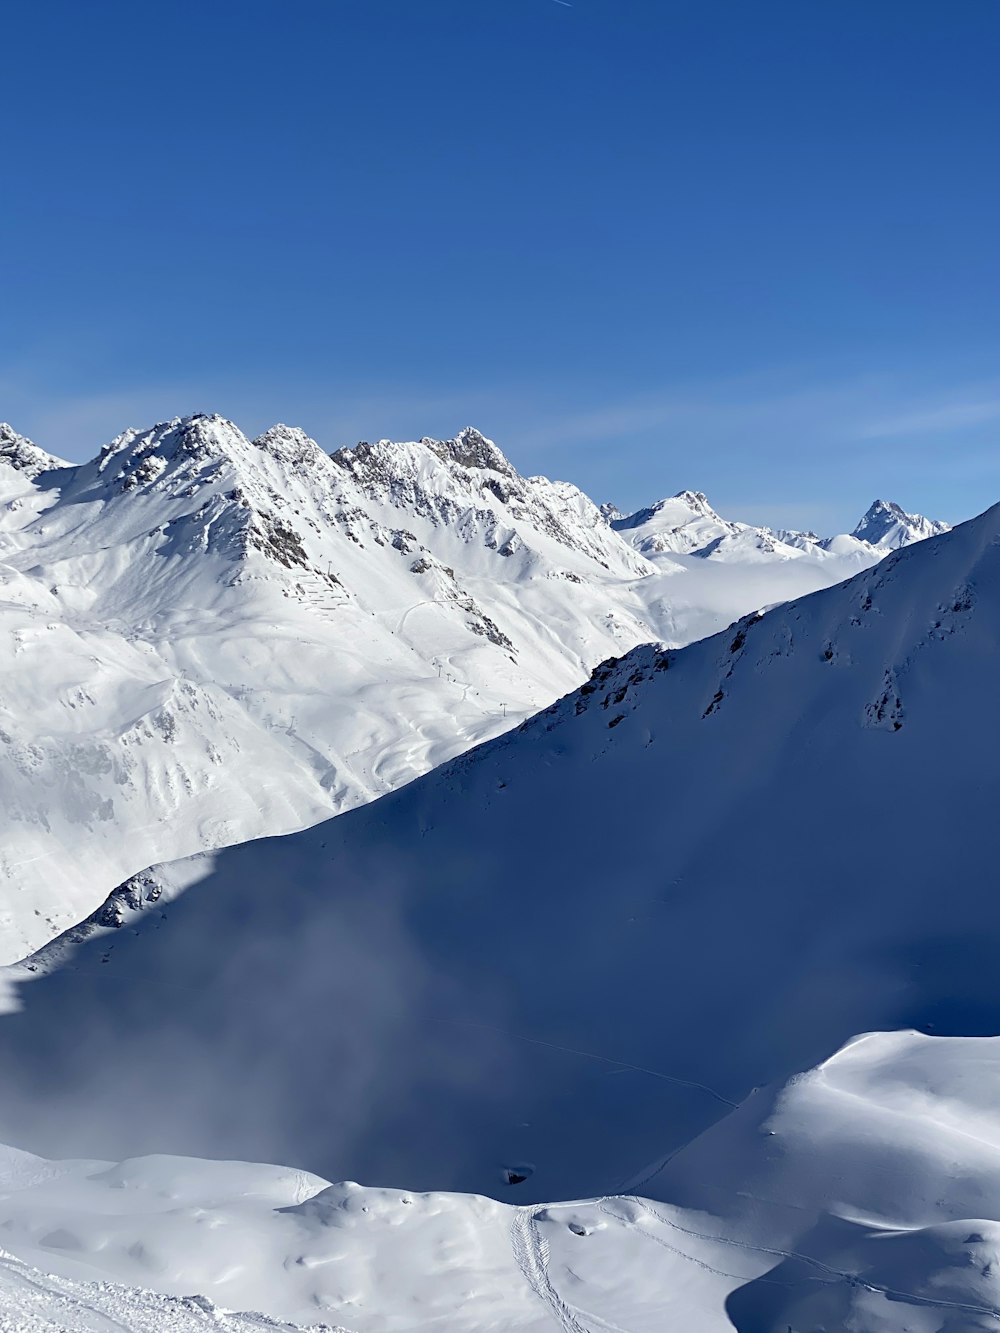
column 531, row 1256
column 836, row 1274
column 592, row 1055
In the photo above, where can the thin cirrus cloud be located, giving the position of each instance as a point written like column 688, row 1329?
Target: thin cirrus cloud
column 759, row 444
column 952, row 416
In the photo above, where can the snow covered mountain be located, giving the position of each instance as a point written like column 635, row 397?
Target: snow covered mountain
column 20, row 462
column 686, row 524
column 206, row 638
column 887, row 526
column 564, row 887
column 589, row 960
column 861, row 1195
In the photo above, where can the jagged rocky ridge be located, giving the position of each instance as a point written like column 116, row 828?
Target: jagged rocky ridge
column 207, row 637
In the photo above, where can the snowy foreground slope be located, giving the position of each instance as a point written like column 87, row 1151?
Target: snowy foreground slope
column 863, row 1196
column 206, row 638
column 589, row 960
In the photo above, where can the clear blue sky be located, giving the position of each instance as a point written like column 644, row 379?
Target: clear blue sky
column 746, row 247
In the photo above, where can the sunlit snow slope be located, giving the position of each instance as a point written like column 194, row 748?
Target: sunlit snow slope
column 863, row 1195
column 581, row 945
column 206, row 638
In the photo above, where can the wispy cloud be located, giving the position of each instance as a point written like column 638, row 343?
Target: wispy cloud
column 756, row 443
column 951, row 416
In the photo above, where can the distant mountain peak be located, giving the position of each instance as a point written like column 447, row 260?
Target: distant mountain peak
column 290, row 445
column 18, row 452
column 696, row 499
column 889, row 526
column 470, row 448
column 466, row 483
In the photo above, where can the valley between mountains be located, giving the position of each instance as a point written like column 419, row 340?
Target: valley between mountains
column 642, row 974
column 208, row 638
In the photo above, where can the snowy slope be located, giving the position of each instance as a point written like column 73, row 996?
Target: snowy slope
column 862, row 1195
column 728, row 568
column 588, row 961
column 206, row 638
column 577, row 947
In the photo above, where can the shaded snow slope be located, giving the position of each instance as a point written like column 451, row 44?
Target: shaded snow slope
column 862, row 1195
column 570, row 952
column 207, row 638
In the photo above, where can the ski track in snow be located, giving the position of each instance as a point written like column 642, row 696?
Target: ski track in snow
column 835, row 1274
column 531, row 1255
column 593, row 1055
column 35, row 1302
column 531, row 910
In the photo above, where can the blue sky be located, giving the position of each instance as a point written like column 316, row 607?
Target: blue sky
column 644, row 244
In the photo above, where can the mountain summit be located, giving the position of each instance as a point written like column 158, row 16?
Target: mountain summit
column 889, row 527
column 18, row 452
column 209, row 637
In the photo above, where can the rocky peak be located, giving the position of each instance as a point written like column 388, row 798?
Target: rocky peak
column 18, row 452
column 673, row 512
column 470, row 449
column 291, row 445
column 387, row 459
column 189, row 443
column 193, row 451
column 467, row 484
column 887, row 525
column 696, row 501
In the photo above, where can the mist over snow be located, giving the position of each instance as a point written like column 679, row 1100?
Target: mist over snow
column 441, row 898
column 207, row 638
column 684, row 985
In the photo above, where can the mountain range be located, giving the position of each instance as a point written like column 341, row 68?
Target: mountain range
column 209, row 638
column 702, row 951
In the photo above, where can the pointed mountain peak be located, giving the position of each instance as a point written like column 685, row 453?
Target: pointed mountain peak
column 18, row 452
column 290, row 445
column 887, row 525
column 881, row 511
column 697, row 500
column 196, row 449
column 470, row 448
column 673, row 512
column 191, row 448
